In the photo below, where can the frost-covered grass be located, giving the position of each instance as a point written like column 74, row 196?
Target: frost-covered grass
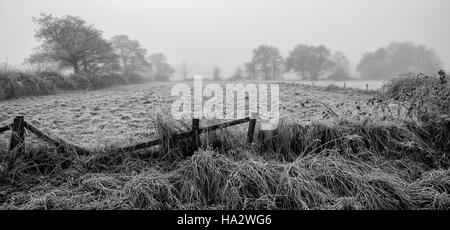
column 364, row 158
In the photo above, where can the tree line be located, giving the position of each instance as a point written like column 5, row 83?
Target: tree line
column 69, row 42
column 315, row 62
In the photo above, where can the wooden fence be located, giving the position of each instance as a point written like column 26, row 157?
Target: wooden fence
column 18, row 127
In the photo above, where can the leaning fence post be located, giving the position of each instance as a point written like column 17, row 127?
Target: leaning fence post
column 251, row 127
column 16, row 144
column 195, row 134
column 18, row 134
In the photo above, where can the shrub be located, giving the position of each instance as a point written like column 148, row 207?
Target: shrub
column 79, row 81
column 98, row 81
column 17, row 83
column 7, row 91
column 57, row 80
column 425, row 98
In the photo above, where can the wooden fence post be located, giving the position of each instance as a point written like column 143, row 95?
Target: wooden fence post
column 367, row 87
column 17, row 135
column 195, row 134
column 17, row 142
column 251, row 127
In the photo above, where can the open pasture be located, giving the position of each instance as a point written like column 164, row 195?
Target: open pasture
column 332, row 150
column 126, row 114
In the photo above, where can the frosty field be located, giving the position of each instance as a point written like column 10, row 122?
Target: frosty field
column 126, row 114
column 333, row 149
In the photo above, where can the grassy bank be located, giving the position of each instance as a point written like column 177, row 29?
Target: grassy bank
column 18, row 83
column 332, row 165
column 382, row 157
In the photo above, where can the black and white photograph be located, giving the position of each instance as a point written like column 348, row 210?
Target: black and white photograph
column 252, row 106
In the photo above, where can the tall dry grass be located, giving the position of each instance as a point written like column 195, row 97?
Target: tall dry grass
column 338, row 165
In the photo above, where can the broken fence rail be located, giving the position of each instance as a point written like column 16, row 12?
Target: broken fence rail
column 4, row 128
column 196, row 131
column 58, row 143
column 17, row 140
column 19, row 126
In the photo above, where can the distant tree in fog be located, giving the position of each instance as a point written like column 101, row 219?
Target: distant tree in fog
column 216, row 74
column 70, row 42
column 298, row 60
column 309, row 61
column 397, row 58
column 161, row 68
column 184, row 71
column 250, row 69
column 375, row 65
column 267, row 61
column 320, row 61
column 341, row 67
column 238, row 74
column 131, row 54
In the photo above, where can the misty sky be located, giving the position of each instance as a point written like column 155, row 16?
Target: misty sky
column 224, row 32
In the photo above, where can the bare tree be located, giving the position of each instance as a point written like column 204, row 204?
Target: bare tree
column 267, row 61
column 132, row 55
column 313, row 61
column 70, row 42
column 250, row 68
column 162, row 69
column 298, row 60
column 398, row 58
column 341, row 67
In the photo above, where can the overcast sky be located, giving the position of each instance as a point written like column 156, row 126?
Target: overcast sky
column 224, row 32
